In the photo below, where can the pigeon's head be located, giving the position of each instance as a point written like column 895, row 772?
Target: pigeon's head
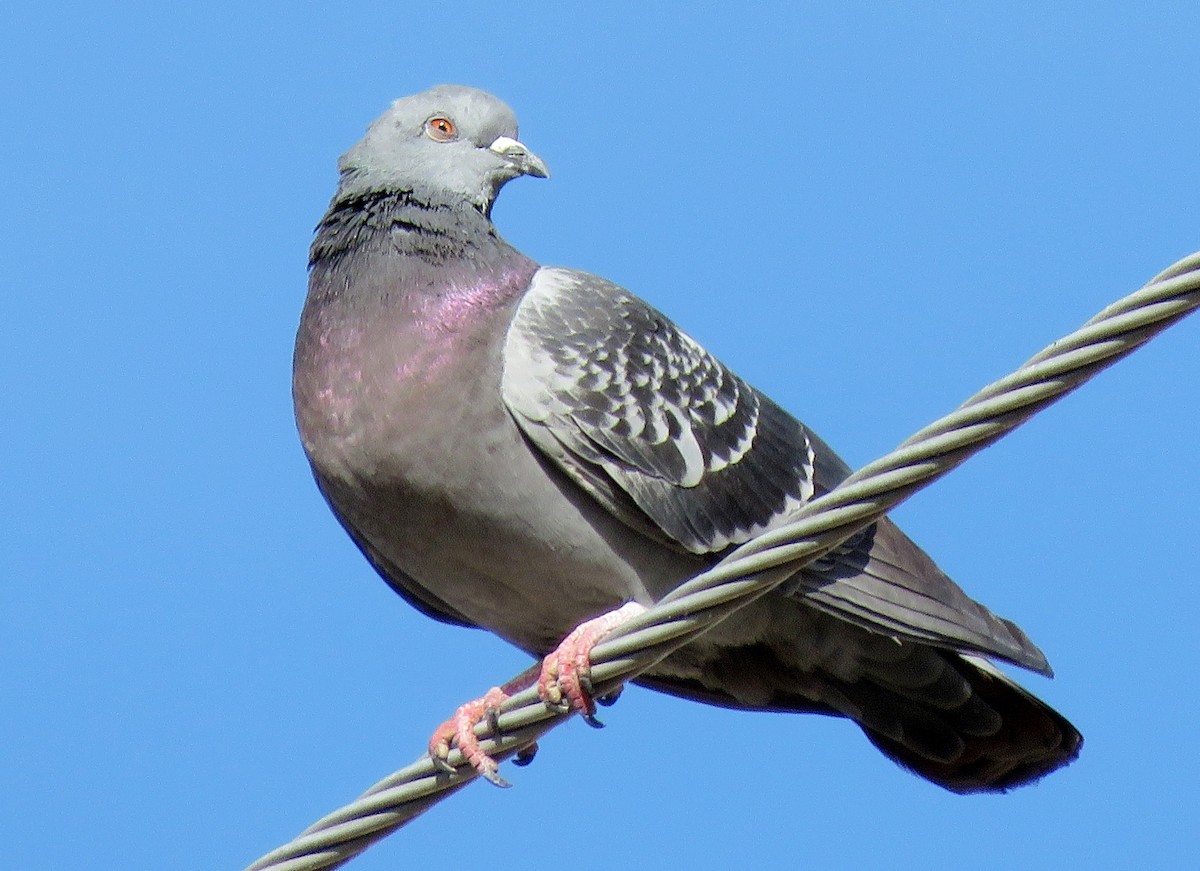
column 450, row 143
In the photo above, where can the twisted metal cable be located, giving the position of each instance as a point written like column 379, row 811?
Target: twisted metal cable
column 763, row 563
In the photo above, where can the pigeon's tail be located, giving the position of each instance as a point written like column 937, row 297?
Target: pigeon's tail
column 953, row 718
column 971, row 730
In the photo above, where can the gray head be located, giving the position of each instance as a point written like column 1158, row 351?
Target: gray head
column 450, row 142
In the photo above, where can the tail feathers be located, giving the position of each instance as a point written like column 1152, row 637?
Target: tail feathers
column 954, row 719
column 996, row 736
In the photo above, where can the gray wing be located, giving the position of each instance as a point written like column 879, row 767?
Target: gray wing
column 680, row 448
column 881, row 580
column 647, row 420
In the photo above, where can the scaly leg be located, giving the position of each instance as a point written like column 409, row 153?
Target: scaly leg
column 563, row 681
column 566, row 672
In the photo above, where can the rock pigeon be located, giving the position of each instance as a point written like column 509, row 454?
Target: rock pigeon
column 535, row 451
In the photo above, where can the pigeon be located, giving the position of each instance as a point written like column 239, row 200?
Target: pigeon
column 537, row 452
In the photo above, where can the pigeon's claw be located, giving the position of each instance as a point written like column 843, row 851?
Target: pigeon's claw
column 566, row 679
column 611, row 699
column 525, row 755
column 460, row 730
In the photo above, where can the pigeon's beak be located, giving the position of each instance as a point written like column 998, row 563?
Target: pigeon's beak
column 521, row 158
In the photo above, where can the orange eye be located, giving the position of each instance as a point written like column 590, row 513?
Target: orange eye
column 441, row 129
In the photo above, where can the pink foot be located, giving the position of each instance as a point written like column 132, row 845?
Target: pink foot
column 563, row 680
column 566, row 680
column 460, row 729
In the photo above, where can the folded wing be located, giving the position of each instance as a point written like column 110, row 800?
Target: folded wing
column 681, row 449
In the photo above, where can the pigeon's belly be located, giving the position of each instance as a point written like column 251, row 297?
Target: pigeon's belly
column 423, row 460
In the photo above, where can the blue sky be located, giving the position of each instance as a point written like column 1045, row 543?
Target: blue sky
column 868, row 210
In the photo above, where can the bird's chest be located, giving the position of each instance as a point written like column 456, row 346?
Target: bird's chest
column 400, row 405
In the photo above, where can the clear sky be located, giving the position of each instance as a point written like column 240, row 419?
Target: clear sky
column 869, row 210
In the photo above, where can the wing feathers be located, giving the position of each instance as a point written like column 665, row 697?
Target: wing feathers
column 681, row 449
column 880, row 578
column 625, row 396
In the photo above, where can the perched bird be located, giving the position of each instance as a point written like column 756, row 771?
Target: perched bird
column 531, row 449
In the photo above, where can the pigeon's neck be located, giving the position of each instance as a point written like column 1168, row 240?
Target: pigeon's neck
column 407, row 223
column 439, row 261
